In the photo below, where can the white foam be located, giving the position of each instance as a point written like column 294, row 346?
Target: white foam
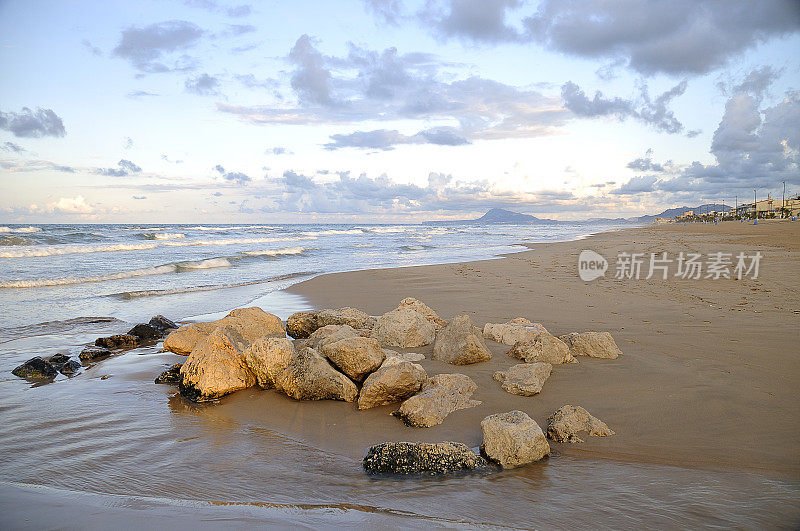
column 56, row 250
column 211, row 263
column 276, row 252
column 240, row 227
column 169, row 235
column 332, row 232
column 37, row 283
column 24, row 230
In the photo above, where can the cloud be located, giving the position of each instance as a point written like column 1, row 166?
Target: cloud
column 203, row 85
column 127, row 143
column 34, row 165
column 242, row 10
column 140, row 94
column 123, row 169
column 637, row 185
column 388, row 11
column 71, row 205
column 139, row 197
column 366, row 85
column 677, row 37
column 473, row 20
column 278, row 151
column 166, row 158
column 94, row 50
column 30, row 124
column 12, row 147
column 386, row 139
column 234, row 177
column 654, row 113
column 234, row 30
column 144, row 47
column 756, row 83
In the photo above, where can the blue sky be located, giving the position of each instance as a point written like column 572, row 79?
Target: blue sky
column 392, row 110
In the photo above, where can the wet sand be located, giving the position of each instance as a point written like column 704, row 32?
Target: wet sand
column 710, row 372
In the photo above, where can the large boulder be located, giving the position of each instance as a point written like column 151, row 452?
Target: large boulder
column 542, row 347
column 36, row 369
column 162, row 323
column 421, row 458
column 300, row 325
column 335, row 332
column 118, row 341
column 525, row 379
column 510, row 332
column 91, row 354
column 310, row 377
column 460, row 343
column 513, row 439
column 146, row 332
column 404, row 356
column 568, row 421
column 438, row 397
column 354, row 356
column 69, row 367
column 267, row 357
column 423, row 309
column 183, row 340
column 394, row 381
column 592, row 344
column 403, row 328
column 251, row 323
column 216, row 366
column 58, row 359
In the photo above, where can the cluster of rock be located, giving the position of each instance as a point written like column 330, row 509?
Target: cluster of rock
column 38, row 368
column 510, row 440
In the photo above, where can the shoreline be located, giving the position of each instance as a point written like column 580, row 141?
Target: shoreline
column 699, row 401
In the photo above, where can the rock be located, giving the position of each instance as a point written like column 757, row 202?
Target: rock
column 403, row 328
column 267, row 357
column 117, row 341
column 69, row 367
column 592, row 344
column 171, row 375
column 423, row 309
column 252, row 323
column 342, row 332
column 313, row 340
column 90, row 354
column 568, row 421
column 541, row 347
column 216, row 366
column 36, row 369
column 460, row 343
column 300, row 325
column 511, row 332
column 146, row 332
column 513, row 439
column 58, row 359
column 438, row 397
column 394, row 381
column 310, row 377
column 421, row 458
column 183, row 340
column 162, row 323
column 525, row 379
column 405, row 356
column 354, row 356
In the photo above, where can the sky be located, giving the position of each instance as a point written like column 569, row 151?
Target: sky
column 392, row 110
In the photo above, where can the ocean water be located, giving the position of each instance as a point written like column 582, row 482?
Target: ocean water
column 95, row 452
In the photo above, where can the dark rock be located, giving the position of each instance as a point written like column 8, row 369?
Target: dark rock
column 69, row 368
column 90, row 354
column 171, row 375
column 58, row 359
column 146, row 332
column 421, row 458
column 162, row 323
column 35, row 369
column 117, row 341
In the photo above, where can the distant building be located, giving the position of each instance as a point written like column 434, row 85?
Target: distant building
column 770, row 207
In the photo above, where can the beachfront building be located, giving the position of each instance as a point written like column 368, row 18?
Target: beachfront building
column 769, row 207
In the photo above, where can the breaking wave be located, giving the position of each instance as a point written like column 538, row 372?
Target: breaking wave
column 38, row 283
column 210, row 263
column 164, row 236
column 276, row 252
column 194, row 289
column 24, row 230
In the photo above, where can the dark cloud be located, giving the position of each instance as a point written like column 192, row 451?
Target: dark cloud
column 756, row 83
column 388, row 85
column 12, row 147
column 140, row 94
column 388, row 11
column 655, row 113
column 145, row 47
column 677, row 37
column 646, row 163
column 637, row 185
column 474, row 20
column 203, row 85
column 123, row 169
column 30, row 124
column 232, row 176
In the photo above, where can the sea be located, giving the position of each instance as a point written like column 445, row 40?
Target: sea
column 108, row 446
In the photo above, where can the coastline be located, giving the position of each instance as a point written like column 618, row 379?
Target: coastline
column 685, row 392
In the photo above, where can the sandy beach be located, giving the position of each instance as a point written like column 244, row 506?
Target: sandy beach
column 709, row 377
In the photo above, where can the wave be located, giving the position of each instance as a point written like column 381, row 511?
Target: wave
column 210, row 263
column 332, row 232
column 236, row 227
column 276, row 252
column 385, row 230
column 45, row 282
column 24, row 230
column 417, row 247
column 194, row 289
column 164, row 236
column 14, row 240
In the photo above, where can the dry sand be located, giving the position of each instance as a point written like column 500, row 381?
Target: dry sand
column 710, row 371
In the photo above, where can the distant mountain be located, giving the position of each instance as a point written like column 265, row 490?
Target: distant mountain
column 499, row 215
column 672, row 212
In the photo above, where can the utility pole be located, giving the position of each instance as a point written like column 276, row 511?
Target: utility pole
column 736, row 210
column 783, row 202
column 755, row 205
